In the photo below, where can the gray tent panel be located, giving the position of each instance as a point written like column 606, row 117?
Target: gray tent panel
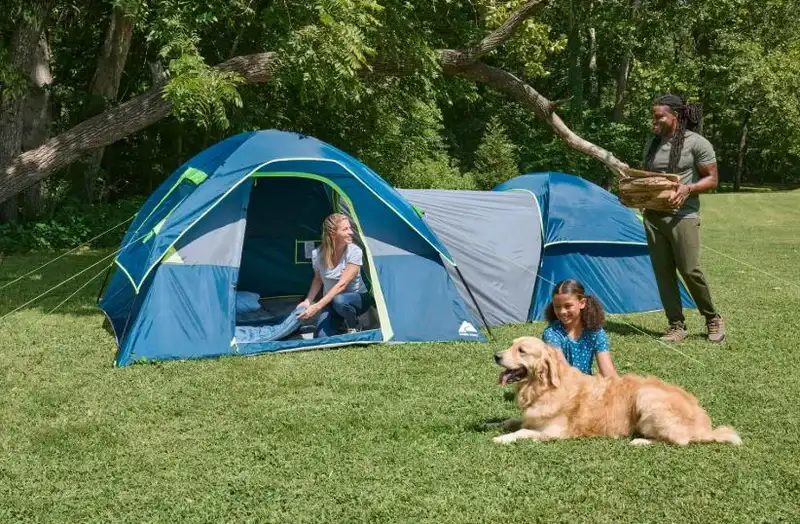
column 217, row 237
column 495, row 238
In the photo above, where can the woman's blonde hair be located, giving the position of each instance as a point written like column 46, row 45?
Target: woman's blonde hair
column 329, row 226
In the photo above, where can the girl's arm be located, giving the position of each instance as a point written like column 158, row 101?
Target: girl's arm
column 603, row 354
column 605, row 364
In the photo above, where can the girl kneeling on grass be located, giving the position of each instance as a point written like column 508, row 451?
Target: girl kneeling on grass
column 576, row 328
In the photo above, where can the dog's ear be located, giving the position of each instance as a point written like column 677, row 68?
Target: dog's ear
column 547, row 370
column 552, row 367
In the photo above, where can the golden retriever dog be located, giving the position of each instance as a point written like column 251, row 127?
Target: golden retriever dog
column 560, row 402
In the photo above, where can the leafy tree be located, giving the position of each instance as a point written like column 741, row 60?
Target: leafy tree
column 495, row 159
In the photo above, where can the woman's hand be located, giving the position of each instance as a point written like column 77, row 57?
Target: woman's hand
column 310, row 312
column 304, row 304
column 681, row 194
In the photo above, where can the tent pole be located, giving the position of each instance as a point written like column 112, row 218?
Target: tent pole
column 463, row 280
column 105, row 282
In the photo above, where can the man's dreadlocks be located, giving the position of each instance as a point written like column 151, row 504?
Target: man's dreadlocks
column 690, row 116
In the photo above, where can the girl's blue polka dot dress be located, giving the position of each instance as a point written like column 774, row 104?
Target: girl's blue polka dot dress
column 579, row 353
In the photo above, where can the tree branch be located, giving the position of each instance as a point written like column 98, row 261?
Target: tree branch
column 543, row 108
column 500, row 35
column 112, row 125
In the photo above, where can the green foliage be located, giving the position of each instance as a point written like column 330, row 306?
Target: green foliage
column 432, row 173
column 495, row 158
column 322, row 59
column 12, row 81
column 200, row 93
column 69, row 227
column 529, row 49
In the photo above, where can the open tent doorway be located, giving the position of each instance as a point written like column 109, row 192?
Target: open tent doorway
column 283, row 226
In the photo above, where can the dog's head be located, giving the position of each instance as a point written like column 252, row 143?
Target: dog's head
column 529, row 359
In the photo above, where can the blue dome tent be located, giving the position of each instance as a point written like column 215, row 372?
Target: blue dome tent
column 244, row 215
column 587, row 234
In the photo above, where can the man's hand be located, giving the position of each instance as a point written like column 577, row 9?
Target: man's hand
column 681, row 194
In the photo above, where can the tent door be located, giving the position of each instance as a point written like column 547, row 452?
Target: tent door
column 284, row 219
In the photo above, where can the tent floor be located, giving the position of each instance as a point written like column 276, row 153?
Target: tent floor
column 274, row 310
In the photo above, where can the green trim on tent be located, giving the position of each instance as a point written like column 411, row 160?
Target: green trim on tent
column 419, row 211
column 125, row 271
column 172, row 256
column 380, row 302
column 280, row 296
column 157, row 228
column 193, row 175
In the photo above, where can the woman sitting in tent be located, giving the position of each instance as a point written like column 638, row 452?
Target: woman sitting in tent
column 337, row 271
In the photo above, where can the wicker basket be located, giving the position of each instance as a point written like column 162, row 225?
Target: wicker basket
column 648, row 190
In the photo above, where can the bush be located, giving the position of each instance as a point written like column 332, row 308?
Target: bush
column 432, row 173
column 70, row 227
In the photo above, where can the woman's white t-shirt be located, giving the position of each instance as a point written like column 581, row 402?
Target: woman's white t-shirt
column 330, row 276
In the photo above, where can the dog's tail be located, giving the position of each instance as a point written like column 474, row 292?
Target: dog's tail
column 725, row 434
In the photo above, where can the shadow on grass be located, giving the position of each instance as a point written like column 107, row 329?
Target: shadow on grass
column 630, row 328
column 493, row 424
column 727, row 187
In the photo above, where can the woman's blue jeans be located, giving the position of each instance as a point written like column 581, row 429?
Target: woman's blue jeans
column 344, row 306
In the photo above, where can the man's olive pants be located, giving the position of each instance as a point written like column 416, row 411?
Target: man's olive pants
column 675, row 247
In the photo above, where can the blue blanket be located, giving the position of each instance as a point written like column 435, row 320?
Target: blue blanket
column 290, row 324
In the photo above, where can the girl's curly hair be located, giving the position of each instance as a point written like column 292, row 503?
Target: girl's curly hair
column 592, row 316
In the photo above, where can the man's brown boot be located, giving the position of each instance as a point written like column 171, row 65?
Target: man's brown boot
column 676, row 332
column 716, row 329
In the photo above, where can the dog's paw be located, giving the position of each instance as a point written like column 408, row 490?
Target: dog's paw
column 641, row 442
column 504, row 439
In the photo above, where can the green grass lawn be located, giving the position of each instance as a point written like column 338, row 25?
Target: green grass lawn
column 391, row 433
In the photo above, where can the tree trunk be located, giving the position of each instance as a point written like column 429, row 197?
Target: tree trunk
column 593, row 82
column 110, row 126
column 575, row 63
column 105, row 85
column 620, row 99
column 737, row 178
column 23, row 48
column 37, row 118
column 621, row 96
